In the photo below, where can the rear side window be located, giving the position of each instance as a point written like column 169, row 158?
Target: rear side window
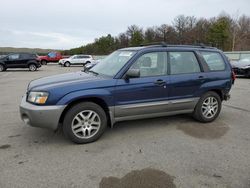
column 85, row 57
column 214, row 61
column 183, row 63
column 27, row 56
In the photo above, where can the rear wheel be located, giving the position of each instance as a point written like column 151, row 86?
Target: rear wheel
column 84, row 123
column 208, row 108
column 32, row 67
column 67, row 64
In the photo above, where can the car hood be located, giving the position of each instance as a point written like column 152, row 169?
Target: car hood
column 44, row 56
column 61, row 79
column 245, row 63
column 2, row 57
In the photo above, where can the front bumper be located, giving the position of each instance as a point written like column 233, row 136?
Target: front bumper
column 241, row 71
column 40, row 116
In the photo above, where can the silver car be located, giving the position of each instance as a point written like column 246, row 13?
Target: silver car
column 76, row 60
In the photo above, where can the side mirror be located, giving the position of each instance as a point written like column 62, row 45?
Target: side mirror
column 133, row 73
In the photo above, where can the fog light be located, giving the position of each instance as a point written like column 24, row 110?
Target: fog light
column 26, row 119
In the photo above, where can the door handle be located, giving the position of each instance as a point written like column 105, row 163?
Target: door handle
column 201, row 77
column 160, row 82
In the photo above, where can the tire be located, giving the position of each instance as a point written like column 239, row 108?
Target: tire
column 2, row 68
column 87, row 62
column 67, row 64
column 44, row 62
column 32, row 67
column 82, row 131
column 208, row 108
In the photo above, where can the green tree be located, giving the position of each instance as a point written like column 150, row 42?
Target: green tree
column 219, row 33
column 136, row 39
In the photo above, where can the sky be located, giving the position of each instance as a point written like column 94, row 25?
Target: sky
column 65, row 24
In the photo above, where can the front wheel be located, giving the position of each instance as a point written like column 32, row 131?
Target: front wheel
column 67, row 64
column 84, row 123
column 208, row 108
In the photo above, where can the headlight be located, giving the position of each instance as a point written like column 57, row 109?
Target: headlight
column 246, row 67
column 38, row 97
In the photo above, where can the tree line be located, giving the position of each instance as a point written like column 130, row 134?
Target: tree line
column 228, row 33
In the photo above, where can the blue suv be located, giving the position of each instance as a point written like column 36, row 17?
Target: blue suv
column 131, row 83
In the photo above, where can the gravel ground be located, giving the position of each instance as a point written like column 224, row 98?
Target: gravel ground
column 162, row 152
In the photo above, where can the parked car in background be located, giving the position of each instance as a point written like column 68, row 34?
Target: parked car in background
column 20, row 60
column 76, row 60
column 237, row 55
column 241, row 67
column 240, row 61
column 131, row 83
column 51, row 57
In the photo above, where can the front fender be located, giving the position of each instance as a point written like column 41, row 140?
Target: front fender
column 103, row 94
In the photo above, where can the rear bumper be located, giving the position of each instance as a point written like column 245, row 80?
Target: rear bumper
column 226, row 96
column 40, row 116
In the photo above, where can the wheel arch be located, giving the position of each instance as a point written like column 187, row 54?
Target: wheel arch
column 219, row 92
column 95, row 100
column 2, row 63
column 32, row 62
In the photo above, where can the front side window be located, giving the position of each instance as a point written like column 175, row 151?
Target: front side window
column 151, row 64
column 214, row 61
column 113, row 63
column 183, row 63
column 14, row 57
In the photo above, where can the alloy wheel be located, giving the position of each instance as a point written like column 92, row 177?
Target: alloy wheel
column 209, row 107
column 32, row 67
column 86, row 124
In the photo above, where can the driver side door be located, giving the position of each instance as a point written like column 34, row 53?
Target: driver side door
column 13, row 61
column 147, row 94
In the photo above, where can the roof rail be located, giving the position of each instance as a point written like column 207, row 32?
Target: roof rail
column 164, row 44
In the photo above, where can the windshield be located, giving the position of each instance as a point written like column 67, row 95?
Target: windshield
column 113, row 63
column 72, row 57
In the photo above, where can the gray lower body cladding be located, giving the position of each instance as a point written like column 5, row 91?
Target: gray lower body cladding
column 48, row 116
column 152, row 109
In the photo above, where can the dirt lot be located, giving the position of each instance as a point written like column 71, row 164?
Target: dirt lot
column 162, row 152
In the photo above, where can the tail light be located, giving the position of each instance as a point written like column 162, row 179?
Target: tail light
column 233, row 76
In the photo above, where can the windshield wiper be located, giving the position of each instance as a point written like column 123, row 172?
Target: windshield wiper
column 95, row 73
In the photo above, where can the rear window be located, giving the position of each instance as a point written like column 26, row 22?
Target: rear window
column 214, row 61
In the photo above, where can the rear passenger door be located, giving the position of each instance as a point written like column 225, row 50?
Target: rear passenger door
column 24, row 58
column 186, row 78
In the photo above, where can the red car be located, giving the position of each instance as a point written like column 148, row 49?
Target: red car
column 51, row 57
